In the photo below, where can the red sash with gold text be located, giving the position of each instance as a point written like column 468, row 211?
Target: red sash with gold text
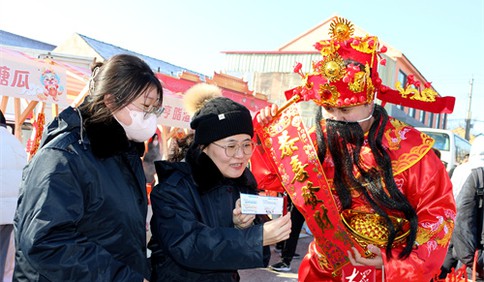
column 291, row 152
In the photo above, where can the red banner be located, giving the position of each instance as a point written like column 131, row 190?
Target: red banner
column 291, row 152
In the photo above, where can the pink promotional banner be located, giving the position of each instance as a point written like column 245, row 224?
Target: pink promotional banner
column 174, row 114
column 174, row 87
column 25, row 77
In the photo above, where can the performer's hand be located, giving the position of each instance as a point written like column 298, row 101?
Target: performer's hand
column 357, row 259
column 241, row 221
column 277, row 230
column 265, row 115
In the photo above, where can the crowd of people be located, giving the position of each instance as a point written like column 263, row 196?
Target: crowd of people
column 79, row 211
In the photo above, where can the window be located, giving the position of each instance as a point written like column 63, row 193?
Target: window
column 463, row 148
column 422, row 117
column 452, row 147
column 411, row 112
column 442, row 140
column 402, row 78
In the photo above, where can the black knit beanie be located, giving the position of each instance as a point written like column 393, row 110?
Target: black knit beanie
column 219, row 118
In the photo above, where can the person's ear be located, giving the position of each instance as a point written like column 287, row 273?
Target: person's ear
column 372, row 108
column 109, row 101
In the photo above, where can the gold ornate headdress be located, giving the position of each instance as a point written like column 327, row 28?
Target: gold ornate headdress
column 347, row 75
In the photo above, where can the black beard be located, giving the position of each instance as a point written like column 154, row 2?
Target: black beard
column 341, row 134
column 343, row 141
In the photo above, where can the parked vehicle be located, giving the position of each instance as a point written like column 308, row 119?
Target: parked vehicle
column 453, row 148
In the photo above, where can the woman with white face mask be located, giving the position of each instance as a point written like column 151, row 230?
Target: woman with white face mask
column 82, row 208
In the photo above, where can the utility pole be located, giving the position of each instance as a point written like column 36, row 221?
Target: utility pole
column 469, row 114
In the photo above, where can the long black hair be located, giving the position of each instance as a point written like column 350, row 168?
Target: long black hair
column 376, row 183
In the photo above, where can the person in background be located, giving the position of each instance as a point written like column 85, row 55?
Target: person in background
column 464, row 160
column 82, row 207
column 462, row 171
column 199, row 232
column 13, row 158
column 289, row 246
column 179, row 146
column 437, row 152
column 382, row 174
column 152, row 154
column 467, row 235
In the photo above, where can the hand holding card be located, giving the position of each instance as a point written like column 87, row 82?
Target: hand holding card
column 255, row 204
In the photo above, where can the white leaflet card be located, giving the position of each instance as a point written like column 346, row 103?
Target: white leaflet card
column 255, row 204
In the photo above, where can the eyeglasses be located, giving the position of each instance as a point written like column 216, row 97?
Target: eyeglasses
column 149, row 110
column 232, row 149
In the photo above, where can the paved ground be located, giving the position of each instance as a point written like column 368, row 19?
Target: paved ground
column 268, row 275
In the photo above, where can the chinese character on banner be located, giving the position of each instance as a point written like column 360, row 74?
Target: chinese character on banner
column 174, row 114
column 353, row 273
column 31, row 79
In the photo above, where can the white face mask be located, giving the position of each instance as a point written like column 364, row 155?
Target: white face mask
column 141, row 128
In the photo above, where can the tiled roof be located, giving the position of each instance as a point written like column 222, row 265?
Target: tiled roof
column 107, row 50
column 10, row 39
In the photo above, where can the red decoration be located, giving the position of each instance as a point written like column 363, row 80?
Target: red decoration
column 352, row 273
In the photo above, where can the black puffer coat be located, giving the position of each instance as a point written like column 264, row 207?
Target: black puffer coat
column 194, row 238
column 81, row 214
column 468, row 233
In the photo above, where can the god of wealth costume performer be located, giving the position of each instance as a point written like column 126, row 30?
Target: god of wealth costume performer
column 384, row 187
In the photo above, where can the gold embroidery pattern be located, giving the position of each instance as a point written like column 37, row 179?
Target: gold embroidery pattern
column 426, row 95
column 366, row 44
column 407, row 160
column 358, row 84
column 426, row 233
column 394, row 135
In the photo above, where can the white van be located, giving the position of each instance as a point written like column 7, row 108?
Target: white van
column 453, row 148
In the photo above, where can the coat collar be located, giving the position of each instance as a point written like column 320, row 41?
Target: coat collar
column 207, row 176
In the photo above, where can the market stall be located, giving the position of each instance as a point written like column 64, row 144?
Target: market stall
column 30, row 83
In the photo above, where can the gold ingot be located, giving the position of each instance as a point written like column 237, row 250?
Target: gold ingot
column 371, row 228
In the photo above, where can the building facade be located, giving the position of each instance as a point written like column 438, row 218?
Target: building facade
column 271, row 73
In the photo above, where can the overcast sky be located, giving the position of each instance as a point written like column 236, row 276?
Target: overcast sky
column 444, row 39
